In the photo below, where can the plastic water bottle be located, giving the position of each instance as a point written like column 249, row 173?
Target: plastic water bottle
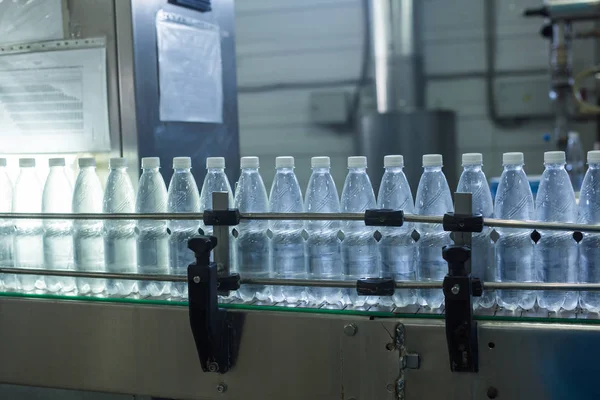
column 514, row 248
column 120, row 245
column 252, row 242
column 360, row 256
column 287, row 243
column 589, row 247
column 397, row 247
column 7, row 229
column 433, row 198
column 183, row 197
column 153, row 238
column 473, row 180
column 575, row 160
column 28, row 241
column 214, row 181
column 322, row 246
column 58, row 240
column 88, row 240
column 556, row 252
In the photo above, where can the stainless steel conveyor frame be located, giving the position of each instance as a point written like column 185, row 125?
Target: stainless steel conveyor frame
column 144, row 346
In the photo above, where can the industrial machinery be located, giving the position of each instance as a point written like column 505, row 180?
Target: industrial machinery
column 215, row 346
column 566, row 84
column 401, row 124
column 201, row 349
column 122, row 82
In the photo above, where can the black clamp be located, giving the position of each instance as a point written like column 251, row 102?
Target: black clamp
column 215, row 331
column 229, row 217
column 375, row 287
column 384, row 217
column 461, row 329
column 463, row 222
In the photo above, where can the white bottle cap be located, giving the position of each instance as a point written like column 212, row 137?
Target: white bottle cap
column 393, row 161
column 150, row 162
column 215, row 162
column 182, row 163
column 2, row 162
column 573, row 135
column 357, row 162
column 593, row 157
column 26, row 162
column 86, row 162
column 433, row 160
column 56, row 162
column 284, row 162
column 554, row 157
column 513, row 158
column 320, row 162
column 472, row 159
column 117, row 162
column 249, row 162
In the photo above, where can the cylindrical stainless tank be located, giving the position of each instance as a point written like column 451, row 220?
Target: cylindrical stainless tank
column 411, row 134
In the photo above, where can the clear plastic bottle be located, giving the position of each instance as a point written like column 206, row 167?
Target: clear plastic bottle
column 433, row 198
column 556, row 252
column 120, row 247
column 514, row 247
column 252, row 242
column 214, row 181
column 397, row 247
column 287, row 243
column 28, row 239
column 153, row 238
column 322, row 246
column 473, row 180
column 360, row 256
column 183, row 197
column 58, row 239
column 575, row 160
column 7, row 229
column 88, row 240
column 589, row 247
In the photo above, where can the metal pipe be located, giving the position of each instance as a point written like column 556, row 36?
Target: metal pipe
column 346, row 284
column 489, row 222
column 395, row 33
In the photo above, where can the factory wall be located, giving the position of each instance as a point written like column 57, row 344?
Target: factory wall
column 287, row 50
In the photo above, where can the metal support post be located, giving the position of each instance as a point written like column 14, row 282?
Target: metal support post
column 215, row 332
column 459, row 287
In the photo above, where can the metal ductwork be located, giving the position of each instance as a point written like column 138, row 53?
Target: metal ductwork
column 397, row 47
column 401, row 124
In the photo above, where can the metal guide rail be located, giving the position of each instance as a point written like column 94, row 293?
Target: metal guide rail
column 410, row 218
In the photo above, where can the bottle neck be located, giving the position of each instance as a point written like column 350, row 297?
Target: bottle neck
column 320, row 170
column 249, row 170
column 472, row 167
column 150, row 170
column 554, row 165
column 357, row 170
column 119, row 169
column 215, row 170
column 433, row 168
column 394, row 170
column 594, row 166
column 513, row 167
column 181, row 170
column 284, row 170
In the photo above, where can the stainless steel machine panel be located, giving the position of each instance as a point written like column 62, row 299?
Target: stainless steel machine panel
column 172, row 139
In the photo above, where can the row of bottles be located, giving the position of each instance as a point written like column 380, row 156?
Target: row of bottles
column 294, row 249
column 118, row 246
